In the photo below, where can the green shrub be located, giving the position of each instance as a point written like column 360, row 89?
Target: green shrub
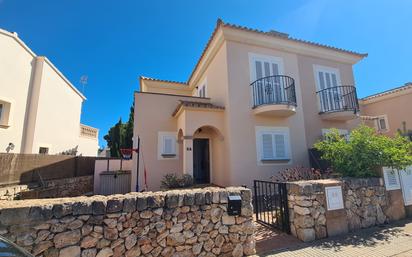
column 364, row 152
column 172, row 180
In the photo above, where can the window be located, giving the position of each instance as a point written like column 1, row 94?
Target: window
column 327, row 82
column 268, row 90
column 342, row 132
column 167, row 145
column 272, row 144
column 4, row 113
column 382, row 123
column 43, row 150
column 201, row 90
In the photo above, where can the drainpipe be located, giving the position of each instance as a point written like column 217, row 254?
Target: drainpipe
column 32, row 105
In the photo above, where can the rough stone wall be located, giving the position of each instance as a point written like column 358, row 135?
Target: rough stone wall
column 11, row 192
column 307, row 211
column 173, row 223
column 365, row 202
column 67, row 187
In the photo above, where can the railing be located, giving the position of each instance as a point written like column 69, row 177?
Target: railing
column 340, row 98
column 271, row 204
column 86, row 131
column 278, row 89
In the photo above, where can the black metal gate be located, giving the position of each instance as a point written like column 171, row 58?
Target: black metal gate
column 271, row 204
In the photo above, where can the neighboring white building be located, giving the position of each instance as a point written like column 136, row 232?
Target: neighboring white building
column 39, row 108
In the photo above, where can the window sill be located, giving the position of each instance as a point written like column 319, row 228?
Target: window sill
column 4, row 126
column 168, row 155
column 275, row 160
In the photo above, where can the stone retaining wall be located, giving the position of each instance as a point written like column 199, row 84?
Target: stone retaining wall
column 67, row 187
column 366, row 204
column 173, row 223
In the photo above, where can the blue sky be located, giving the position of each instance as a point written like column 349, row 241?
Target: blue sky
column 114, row 42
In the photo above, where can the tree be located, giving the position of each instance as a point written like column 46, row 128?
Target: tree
column 120, row 135
column 364, row 151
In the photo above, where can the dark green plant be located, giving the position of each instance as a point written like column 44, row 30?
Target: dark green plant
column 364, row 152
column 121, row 135
column 172, row 180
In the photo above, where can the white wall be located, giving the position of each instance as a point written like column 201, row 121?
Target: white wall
column 88, row 146
column 58, row 116
column 56, row 124
column 15, row 75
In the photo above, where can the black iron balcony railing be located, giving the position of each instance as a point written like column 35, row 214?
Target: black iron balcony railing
column 336, row 99
column 277, row 89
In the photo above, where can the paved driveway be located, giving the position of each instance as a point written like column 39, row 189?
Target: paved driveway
column 389, row 240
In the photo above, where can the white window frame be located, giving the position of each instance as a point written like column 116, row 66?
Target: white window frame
column 260, row 130
column 342, row 132
column 378, row 125
column 6, row 113
column 320, row 68
column 389, row 171
column 253, row 57
column 202, row 86
column 162, row 136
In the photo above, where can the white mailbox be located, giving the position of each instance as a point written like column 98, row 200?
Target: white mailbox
column 334, row 198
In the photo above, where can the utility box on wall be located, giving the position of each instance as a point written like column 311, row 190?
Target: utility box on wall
column 234, row 205
column 114, row 182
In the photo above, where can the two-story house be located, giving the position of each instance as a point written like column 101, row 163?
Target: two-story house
column 387, row 111
column 253, row 105
column 39, row 108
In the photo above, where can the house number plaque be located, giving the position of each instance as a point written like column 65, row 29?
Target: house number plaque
column 334, row 199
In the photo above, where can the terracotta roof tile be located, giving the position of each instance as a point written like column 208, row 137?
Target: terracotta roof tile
column 161, row 80
column 269, row 33
column 407, row 85
column 194, row 104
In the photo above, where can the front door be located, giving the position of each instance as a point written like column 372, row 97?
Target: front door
column 201, row 164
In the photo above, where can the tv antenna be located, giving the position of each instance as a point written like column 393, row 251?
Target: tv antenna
column 83, row 81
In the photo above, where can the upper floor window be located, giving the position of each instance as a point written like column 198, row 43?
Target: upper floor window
column 272, row 144
column 327, row 85
column 201, row 90
column 264, row 66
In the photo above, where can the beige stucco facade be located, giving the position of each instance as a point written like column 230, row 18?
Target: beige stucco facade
column 391, row 107
column 228, row 115
column 39, row 107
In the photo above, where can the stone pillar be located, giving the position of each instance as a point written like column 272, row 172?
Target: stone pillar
column 32, row 105
column 188, row 155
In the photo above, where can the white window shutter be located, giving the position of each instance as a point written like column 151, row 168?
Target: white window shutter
column 168, row 145
column 267, row 147
column 280, row 146
column 259, row 71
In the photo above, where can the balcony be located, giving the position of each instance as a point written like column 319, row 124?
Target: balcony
column 338, row 103
column 274, row 96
